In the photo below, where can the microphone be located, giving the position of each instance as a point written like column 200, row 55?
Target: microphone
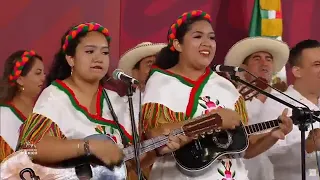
column 118, row 74
column 223, row 68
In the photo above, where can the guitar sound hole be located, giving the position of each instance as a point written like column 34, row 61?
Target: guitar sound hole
column 222, row 139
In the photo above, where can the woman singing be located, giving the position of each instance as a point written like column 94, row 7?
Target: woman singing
column 21, row 83
column 182, row 86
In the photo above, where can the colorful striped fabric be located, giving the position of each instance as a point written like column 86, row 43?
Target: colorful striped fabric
column 35, row 128
column 240, row 108
column 155, row 114
column 5, row 149
column 266, row 21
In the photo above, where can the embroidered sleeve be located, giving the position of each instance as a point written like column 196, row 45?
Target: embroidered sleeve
column 155, row 114
column 5, row 149
column 240, row 107
column 36, row 127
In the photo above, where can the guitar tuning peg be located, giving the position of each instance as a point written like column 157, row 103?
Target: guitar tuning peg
column 195, row 136
column 210, row 132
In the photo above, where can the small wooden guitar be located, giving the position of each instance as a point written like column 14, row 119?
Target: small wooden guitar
column 13, row 164
column 249, row 93
column 195, row 158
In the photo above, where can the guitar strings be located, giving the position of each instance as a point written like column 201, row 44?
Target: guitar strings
column 162, row 140
column 155, row 143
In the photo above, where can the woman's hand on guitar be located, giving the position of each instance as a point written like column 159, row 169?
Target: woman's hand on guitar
column 284, row 128
column 106, row 151
column 230, row 118
column 175, row 142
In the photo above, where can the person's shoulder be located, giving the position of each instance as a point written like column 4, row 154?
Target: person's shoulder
column 225, row 83
column 52, row 93
column 160, row 78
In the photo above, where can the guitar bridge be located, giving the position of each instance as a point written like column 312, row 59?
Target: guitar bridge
column 222, row 139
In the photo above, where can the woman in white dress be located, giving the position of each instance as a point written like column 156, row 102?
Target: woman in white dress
column 74, row 106
column 182, row 86
column 21, row 83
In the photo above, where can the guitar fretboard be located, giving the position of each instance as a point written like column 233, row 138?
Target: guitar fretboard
column 262, row 126
column 149, row 145
column 154, row 143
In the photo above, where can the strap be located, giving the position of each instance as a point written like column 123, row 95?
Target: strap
column 115, row 118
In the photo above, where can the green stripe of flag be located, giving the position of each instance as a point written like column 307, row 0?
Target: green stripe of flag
column 255, row 24
column 264, row 14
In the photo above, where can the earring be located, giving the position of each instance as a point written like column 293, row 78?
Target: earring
column 22, row 88
column 71, row 70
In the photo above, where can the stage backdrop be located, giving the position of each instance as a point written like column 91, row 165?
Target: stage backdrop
column 39, row 25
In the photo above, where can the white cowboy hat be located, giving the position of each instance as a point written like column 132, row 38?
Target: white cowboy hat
column 130, row 58
column 245, row 47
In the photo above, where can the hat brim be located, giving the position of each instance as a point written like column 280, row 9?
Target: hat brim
column 244, row 48
column 134, row 55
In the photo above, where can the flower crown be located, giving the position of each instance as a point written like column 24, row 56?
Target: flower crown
column 182, row 19
column 19, row 65
column 86, row 27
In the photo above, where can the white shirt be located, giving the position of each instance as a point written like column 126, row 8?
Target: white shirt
column 10, row 121
column 260, row 166
column 285, row 154
column 175, row 93
column 73, row 121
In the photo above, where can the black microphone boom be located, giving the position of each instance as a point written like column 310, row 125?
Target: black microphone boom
column 223, row 68
column 120, row 75
column 301, row 116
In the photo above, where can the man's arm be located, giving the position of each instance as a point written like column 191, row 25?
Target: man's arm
column 259, row 144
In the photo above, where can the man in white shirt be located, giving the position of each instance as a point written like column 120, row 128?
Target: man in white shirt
column 285, row 155
column 137, row 62
column 262, row 57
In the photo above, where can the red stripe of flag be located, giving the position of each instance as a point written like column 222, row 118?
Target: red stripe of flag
column 279, row 13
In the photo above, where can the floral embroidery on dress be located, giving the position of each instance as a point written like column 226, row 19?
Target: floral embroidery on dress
column 102, row 130
column 209, row 105
column 227, row 174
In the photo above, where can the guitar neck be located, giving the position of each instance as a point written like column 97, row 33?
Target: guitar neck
column 149, row 145
column 254, row 128
column 194, row 126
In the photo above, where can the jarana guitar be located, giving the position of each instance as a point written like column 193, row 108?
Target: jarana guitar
column 196, row 158
column 13, row 164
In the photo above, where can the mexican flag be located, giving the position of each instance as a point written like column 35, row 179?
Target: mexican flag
column 266, row 21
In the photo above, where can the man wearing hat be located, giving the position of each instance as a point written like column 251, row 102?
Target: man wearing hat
column 263, row 57
column 286, row 155
column 137, row 62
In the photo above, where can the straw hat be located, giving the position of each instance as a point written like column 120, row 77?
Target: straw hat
column 130, row 58
column 245, row 47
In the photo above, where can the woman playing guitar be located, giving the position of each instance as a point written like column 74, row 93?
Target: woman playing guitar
column 182, row 86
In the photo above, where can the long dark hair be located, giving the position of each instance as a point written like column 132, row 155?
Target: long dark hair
column 7, row 90
column 60, row 69
column 166, row 58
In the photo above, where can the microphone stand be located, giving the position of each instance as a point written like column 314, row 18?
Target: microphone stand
column 136, row 144
column 300, row 116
